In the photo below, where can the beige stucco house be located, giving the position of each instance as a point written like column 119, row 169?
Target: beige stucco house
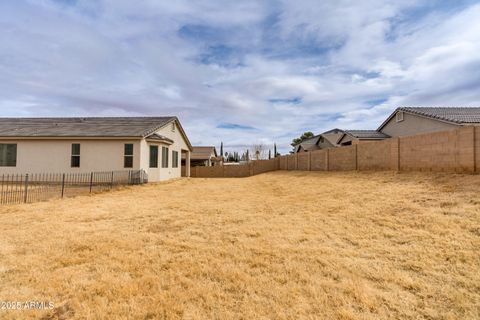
column 69, row 145
column 407, row 121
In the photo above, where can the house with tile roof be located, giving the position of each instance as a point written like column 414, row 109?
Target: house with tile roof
column 325, row 140
column 93, row 144
column 204, row 156
column 407, row 121
column 350, row 137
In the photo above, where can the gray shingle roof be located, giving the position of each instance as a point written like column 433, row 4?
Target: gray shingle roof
column 458, row 115
column 366, row 134
column 82, row 127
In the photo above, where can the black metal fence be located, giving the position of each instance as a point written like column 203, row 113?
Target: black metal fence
column 27, row 188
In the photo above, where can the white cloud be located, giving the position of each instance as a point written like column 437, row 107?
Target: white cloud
column 340, row 63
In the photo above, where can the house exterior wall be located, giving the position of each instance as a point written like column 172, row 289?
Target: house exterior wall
column 53, row 156
column 414, row 124
column 162, row 174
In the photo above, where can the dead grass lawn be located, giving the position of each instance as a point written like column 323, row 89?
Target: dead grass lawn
column 283, row 245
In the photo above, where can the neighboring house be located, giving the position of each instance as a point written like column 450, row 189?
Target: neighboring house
column 350, row 137
column 333, row 136
column 324, row 140
column 66, row 145
column 407, row 121
column 203, row 156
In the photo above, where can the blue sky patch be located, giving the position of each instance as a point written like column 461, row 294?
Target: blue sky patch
column 234, row 126
column 294, row 100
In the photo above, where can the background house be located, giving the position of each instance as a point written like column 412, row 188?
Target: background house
column 203, row 156
column 65, row 145
column 350, row 137
column 325, row 140
column 407, row 121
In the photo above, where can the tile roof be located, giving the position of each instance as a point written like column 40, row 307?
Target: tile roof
column 203, row 153
column 459, row 115
column 82, row 127
column 366, row 134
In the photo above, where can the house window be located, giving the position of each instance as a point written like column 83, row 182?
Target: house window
column 164, row 157
column 128, row 156
column 173, row 127
column 8, row 155
column 174, row 159
column 75, row 160
column 399, row 116
column 153, row 156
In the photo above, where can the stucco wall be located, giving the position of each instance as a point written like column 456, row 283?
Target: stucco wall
column 161, row 174
column 53, row 156
column 413, row 124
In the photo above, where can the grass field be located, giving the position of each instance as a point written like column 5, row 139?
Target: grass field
column 283, row 245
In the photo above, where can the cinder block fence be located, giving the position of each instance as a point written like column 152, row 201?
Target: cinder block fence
column 447, row 151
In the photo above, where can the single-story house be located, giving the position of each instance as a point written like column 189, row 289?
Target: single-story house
column 407, row 121
column 324, row 140
column 350, row 137
column 69, row 145
column 204, row 156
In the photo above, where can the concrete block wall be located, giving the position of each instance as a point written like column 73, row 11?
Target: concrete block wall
column 342, row 159
column 449, row 151
column 319, row 160
column 291, row 162
column 376, row 155
column 303, row 161
column 477, row 148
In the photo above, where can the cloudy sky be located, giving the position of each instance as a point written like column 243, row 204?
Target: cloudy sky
column 239, row 71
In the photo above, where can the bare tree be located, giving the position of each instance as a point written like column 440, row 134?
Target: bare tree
column 259, row 151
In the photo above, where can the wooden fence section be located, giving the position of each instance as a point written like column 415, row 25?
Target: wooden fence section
column 447, row 151
column 28, row 188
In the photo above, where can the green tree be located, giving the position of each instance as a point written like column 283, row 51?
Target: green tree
column 304, row 136
column 221, row 149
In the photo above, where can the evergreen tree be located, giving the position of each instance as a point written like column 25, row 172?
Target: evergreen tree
column 269, row 154
column 221, row 149
column 274, row 150
column 247, row 157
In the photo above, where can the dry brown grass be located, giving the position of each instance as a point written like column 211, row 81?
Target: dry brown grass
column 283, row 245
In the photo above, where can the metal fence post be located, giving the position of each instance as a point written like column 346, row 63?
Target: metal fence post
column 63, row 184
column 111, row 182
column 26, row 188
column 91, row 181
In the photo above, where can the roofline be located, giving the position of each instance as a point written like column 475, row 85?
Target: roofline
column 418, row 115
column 345, row 133
column 71, row 138
column 333, row 130
column 174, row 118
